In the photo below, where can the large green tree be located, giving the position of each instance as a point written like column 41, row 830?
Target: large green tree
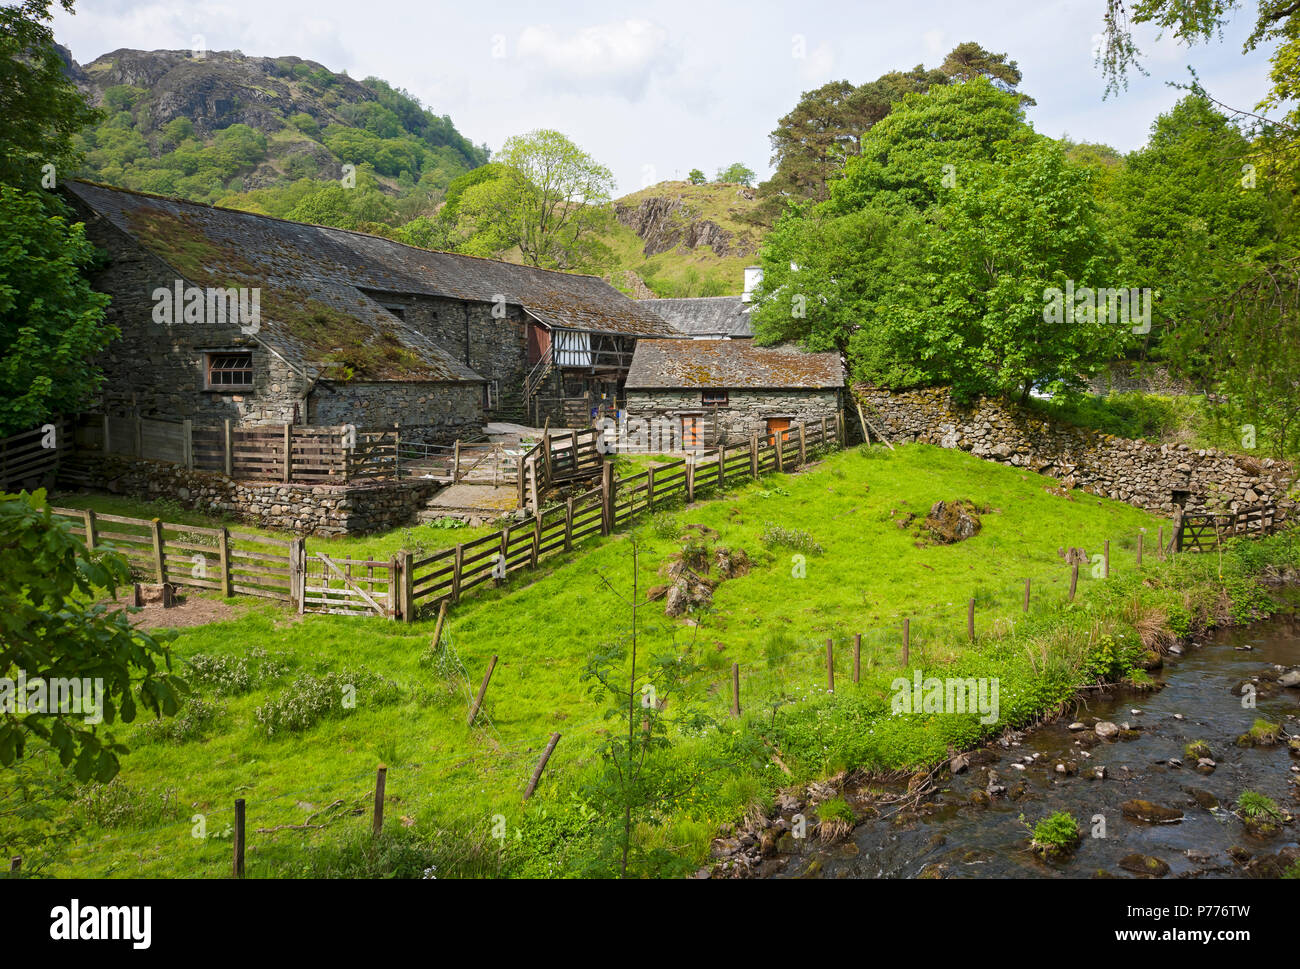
column 40, row 107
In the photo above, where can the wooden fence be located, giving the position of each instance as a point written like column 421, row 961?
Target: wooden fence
column 1205, row 532
column 240, row 563
column 32, row 455
column 285, row 452
column 559, row 457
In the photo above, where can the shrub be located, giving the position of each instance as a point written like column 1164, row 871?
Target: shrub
column 117, row 805
column 1055, row 835
column 310, row 699
column 235, row 675
column 197, row 716
column 778, row 536
column 1252, row 804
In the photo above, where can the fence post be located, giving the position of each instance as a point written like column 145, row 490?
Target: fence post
column 455, row 572
column 541, row 766
column 1105, row 562
column 229, row 447
column 537, row 537
column 650, row 489
column 690, row 478
column 505, row 551
column 857, row 642
column 519, row 469
column 568, row 524
column 722, row 467
column 803, row 446
column 753, row 455
column 381, row 776
column 546, row 455
column 970, row 620
column 437, row 629
column 408, row 587
column 1141, row 542
column 830, row 666
column 907, row 640
column 1074, row 579
column 159, row 561
column 1026, row 609
column 298, row 574
column 779, row 438
column 288, row 453
column 89, row 516
column 735, row 689
column 238, row 866
column 455, row 468
column 223, row 551
column 823, row 441
column 607, row 498
column 482, row 691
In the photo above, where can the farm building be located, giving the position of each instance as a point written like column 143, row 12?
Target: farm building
column 712, row 317
column 721, row 391
column 346, row 328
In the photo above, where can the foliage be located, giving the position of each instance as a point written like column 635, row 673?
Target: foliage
column 51, row 321
column 696, row 177
column 52, row 628
column 310, row 698
column 1252, row 804
column 40, row 107
column 226, row 675
column 779, row 536
column 1056, row 834
column 736, row 172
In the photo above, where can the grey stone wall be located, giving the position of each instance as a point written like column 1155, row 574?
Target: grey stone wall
column 745, row 413
column 430, row 412
column 1143, row 474
column 321, row 510
column 494, row 348
column 159, row 367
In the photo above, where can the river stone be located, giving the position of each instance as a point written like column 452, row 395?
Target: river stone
column 1140, row 810
column 1291, row 678
column 1077, row 726
column 1144, row 865
column 1105, row 729
column 1202, row 798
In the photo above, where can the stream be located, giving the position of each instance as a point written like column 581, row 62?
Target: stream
column 962, row 832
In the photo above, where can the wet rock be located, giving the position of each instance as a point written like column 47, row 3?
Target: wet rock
column 1203, row 798
column 933, row 871
column 1197, row 749
column 1078, row 725
column 1205, row 766
column 979, row 798
column 1106, row 730
column 1290, row 679
column 1144, row 865
column 952, row 522
column 1239, row 854
column 1150, row 812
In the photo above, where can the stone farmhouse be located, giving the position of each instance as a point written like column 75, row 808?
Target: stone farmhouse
column 351, row 328
column 233, row 315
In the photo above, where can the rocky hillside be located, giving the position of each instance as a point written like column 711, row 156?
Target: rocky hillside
column 203, row 127
column 679, row 239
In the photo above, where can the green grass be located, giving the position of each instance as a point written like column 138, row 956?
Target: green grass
column 546, row 624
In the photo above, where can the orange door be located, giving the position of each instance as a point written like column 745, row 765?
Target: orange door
column 775, row 426
column 690, row 432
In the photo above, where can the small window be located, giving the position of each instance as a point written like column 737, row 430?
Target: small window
column 715, row 397
column 230, row 370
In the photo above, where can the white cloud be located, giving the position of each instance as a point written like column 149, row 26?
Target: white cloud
column 621, row 57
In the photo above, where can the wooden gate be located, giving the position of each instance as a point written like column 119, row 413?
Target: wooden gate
column 348, row 587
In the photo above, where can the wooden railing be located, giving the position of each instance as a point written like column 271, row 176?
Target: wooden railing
column 32, row 455
column 287, row 453
column 1200, row 532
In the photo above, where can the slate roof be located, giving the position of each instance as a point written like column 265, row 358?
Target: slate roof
column 724, row 364
column 314, row 312
column 706, row 315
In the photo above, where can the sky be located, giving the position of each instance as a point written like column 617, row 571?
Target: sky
column 655, row 89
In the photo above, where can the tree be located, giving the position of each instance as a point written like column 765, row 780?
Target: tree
column 40, row 108
column 552, row 201
column 969, row 60
column 52, row 630
column 51, row 321
column 736, row 172
column 697, row 177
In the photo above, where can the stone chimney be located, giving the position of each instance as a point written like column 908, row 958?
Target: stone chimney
column 753, row 276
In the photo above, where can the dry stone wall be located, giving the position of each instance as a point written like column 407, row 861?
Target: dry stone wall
column 1156, row 477
column 321, row 510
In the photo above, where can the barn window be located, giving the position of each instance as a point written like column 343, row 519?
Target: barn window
column 715, row 397
column 229, row 369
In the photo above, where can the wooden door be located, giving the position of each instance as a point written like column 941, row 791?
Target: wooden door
column 690, row 432
column 775, row 426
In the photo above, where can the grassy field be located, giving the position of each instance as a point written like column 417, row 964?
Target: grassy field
column 829, row 560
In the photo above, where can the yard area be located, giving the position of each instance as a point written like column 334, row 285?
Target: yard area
column 828, row 560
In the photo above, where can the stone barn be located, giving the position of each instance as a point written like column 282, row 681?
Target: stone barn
column 705, row 392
